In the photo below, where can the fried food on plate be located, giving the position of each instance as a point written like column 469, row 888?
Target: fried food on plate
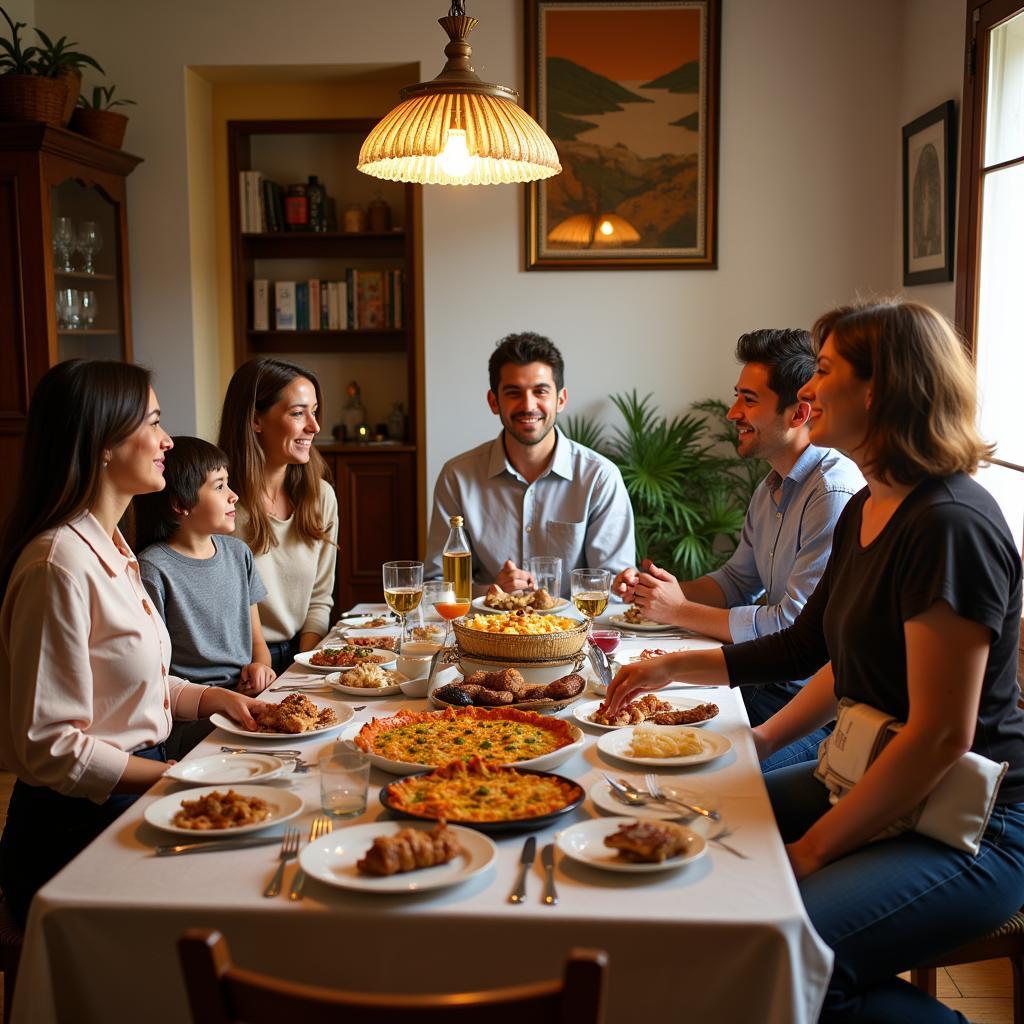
column 648, row 842
column 410, row 850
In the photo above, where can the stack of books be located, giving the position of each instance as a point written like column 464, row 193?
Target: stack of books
column 366, row 300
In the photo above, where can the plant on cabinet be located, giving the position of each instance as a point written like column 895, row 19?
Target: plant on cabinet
column 96, row 120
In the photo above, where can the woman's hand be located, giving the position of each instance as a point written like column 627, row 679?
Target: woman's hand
column 801, row 859
column 640, row 677
column 235, row 705
column 255, row 678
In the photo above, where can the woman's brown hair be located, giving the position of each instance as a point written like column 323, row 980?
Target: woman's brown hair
column 79, row 409
column 921, row 421
column 255, row 387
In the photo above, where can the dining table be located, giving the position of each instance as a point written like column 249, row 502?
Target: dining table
column 724, row 938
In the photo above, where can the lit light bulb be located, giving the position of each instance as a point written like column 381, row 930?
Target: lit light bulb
column 606, row 227
column 455, row 160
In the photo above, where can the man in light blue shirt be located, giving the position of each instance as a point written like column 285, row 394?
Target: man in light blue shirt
column 787, row 535
column 532, row 490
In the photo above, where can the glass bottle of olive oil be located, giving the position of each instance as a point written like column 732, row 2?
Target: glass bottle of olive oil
column 457, row 561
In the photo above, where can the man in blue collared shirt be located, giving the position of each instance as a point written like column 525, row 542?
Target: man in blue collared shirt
column 787, row 535
column 531, row 491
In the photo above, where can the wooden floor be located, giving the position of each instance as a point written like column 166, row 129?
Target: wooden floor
column 981, row 992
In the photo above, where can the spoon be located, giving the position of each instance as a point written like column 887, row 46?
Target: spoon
column 638, row 796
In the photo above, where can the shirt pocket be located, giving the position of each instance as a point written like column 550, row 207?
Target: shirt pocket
column 566, row 539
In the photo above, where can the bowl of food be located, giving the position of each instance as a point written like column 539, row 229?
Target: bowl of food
column 520, row 636
column 414, row 657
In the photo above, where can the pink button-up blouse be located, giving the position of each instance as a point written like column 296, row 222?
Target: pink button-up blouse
column 83, row 663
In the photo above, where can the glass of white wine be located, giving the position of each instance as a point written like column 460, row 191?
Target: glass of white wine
column 403, row 588
column 590, row 589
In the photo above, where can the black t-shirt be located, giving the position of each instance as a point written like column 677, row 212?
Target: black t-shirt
column 948, row 541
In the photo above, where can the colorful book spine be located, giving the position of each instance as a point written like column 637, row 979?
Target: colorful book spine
column 284, row 305
column 314, row 306
column 352, row 302
column 302, row 306
column 261, row 305
column 370, row 289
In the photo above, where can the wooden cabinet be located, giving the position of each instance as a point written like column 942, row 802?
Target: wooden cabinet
column 376, row 485
column 51, row 309
column 377, row 517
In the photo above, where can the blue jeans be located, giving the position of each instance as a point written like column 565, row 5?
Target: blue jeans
column 282, row 654
column 761, row 703
column 898, row 903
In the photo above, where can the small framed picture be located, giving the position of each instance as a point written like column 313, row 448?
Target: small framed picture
column 929, row 196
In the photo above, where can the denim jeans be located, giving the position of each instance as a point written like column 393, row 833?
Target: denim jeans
column 282, row 654
column 761, row 703
column 898, row 903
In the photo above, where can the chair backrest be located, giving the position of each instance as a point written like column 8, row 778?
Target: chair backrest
column 221, row 993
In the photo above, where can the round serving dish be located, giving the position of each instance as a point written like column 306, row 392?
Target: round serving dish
column 517, row 648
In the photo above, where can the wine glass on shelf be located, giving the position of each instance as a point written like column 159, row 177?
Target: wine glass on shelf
column 64, row 242
column 441, row 594
column 403, row 588
column 89, row 307
column 590, row 590
column 90, row 241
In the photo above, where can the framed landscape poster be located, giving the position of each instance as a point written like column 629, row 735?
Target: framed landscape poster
column 929, row 196
column 628, row 93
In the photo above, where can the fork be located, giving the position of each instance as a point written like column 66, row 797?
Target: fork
column 289, row 851
column 654, row 788
column 724, row 833
column 321, row 826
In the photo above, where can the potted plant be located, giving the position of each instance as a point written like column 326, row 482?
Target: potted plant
column 58, row 60
column 95, row 120
column 34, row 80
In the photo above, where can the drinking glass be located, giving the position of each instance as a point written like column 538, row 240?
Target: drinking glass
column 69, row 307
column 89, row 307
column 547, row 574
column 607, row 639
column 590, row 589
column 441, row 594
column 403, row 588
column 64, row 242
column 90, row 241
column 344, row 780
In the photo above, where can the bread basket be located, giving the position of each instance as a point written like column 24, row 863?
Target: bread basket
column 517, row 647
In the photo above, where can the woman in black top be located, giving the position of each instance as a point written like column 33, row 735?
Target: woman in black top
column 918, row 614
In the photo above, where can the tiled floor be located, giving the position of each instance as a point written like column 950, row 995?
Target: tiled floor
column 981, row 992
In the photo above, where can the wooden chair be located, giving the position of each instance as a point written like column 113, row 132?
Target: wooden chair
column 221, row 993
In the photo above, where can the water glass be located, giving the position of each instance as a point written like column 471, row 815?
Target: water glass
column 69, row 308
column 547, row 574
column 89, row 307
column 344, row 780
column 64, row 242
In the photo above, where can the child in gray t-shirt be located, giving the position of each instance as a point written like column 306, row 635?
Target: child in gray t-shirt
column 203, row 582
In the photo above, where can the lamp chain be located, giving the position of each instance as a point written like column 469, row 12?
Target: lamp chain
column 457, row 9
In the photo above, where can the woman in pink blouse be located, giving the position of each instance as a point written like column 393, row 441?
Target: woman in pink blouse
column 85, row 698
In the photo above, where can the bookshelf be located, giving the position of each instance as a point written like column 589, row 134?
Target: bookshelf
column 376, row 484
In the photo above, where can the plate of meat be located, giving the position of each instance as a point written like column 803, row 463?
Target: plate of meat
column 296, row 717
column 342, row 657
column 398, row 857
column 649, row 708
column 626, row 844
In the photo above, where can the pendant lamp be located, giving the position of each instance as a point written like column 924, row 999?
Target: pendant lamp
column 457, row 129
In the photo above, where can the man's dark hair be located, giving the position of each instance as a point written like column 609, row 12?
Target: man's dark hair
column 186, row 467
column 524, row 348
column 787, row 352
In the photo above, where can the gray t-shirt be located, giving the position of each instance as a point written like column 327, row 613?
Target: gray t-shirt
column 205, row 603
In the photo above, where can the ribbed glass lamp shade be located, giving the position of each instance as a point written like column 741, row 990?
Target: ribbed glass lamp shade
column 421, row 140
column 586, row 229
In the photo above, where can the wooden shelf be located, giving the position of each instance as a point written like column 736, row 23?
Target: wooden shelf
column 74, row 332
column 292, row 244
column 81, row 275
column 382, row 340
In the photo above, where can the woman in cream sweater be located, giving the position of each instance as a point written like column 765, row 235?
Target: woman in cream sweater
column 287, row 509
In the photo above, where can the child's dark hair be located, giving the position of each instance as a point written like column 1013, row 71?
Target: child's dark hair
column 186, row 467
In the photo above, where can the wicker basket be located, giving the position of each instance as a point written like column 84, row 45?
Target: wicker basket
column 72, row 78
column 105, row 126
column 32, row 98
column 514, row 647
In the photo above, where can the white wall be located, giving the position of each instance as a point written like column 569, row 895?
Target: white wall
column 808, row 192
column 21, row 10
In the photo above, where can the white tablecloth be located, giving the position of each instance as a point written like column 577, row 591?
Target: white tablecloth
column 721, row 940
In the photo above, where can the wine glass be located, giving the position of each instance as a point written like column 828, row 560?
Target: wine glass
column 403, row 588
column 441, row 594
column 590, row 589
column 89, row 307
column 69, row 308
column 64, row 242
column 90, row 241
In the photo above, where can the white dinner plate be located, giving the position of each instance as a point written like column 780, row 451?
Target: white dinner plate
column 336, row 682
column 479, row 603
column 303, row 658
column 644, row 626
column 360, row 623
column 583, row 712
column 618, row 741
column 227, row 769
column 602, row 797
column 342, row 712
column 284, row 805
column 585, row 843
column 331, row 859
column 544, row 763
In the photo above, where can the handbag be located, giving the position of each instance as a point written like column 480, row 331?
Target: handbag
column 957, row 810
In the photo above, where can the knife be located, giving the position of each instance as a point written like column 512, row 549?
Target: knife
column 217, row 844
column 547, row 858
column 525, row 860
